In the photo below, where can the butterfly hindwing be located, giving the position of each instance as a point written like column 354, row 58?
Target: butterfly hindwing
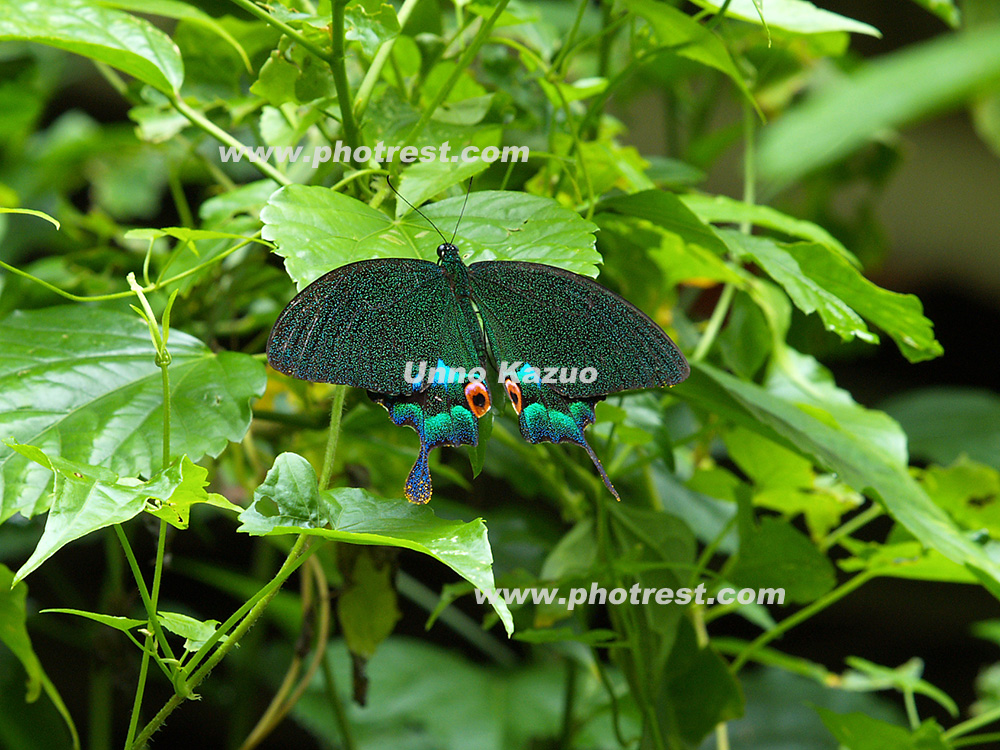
column 547, row 321
column 444, row 411
column 545, row 415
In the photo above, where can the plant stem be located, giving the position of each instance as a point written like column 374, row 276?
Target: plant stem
column 333, row 697
column 970, row 725
column 333, row 436
column 255, row 10
column 200, row 121
column 714, row 323
column 296, row 557
column 337, row 66
column 849, row 527
column 147, row 602
column 459, row 70
column 799, row 617
column 378, row 62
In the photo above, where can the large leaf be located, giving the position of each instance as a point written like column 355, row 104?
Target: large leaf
column 87, row 498
column 817, row 279
column 857, row 731
column 815, row 434
column 423, row 695
column 879, row 96
column 317, row 230
column 944, row 423
column 797, row 16
column 777, row 555
column 721, row 209
column 80, row 383
column 133, row 45
column 668, row 211
column 290, row 502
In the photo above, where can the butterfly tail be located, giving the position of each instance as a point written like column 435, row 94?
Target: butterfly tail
column 418, row 485
column 600, row 467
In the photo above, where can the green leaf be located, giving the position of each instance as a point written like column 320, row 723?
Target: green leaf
column 133, row 45
column 807, row 294
column 946, row 10
column 903, row 560
column 366, row 605
column 721, row 209
column 124, row 624
column 899, row 315
column 426, row 179
column 797, row 16
column 839, row 451
column 424, row 696
column 290, row 502
column 879, row 96
column 176, row 509
column 777, row 555
column 857, row 731
column 81, row 383
column 371, row 23
column 969, row 492
column 802, row 380
column 87, row 498
column 594, row 637
column 668, row 211
column 14, row 635
column 689, row 39
column 317, row 230
column 180, row 10
column 945, row 422
column 195, row 632
column 30, row 212
column 698, row 689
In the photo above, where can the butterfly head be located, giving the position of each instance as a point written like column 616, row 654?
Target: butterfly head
column 446, row 249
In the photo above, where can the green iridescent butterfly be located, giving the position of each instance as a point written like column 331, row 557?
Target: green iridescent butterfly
column 418, row 336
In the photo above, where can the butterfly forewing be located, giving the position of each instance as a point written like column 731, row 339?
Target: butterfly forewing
column 557, row 321
column 362, row 323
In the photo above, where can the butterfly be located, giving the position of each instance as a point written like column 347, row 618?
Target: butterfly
column 418, row 336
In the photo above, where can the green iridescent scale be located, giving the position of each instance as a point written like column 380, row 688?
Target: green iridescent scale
column 372, row 324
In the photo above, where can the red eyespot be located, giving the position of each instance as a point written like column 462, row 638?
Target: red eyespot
column 514, row 392
column 477, row 397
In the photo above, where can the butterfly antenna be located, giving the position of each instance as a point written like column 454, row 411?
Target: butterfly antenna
column 400, row 196
column 455, row 233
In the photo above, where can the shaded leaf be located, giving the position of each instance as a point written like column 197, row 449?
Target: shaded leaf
column 776, row 555
column 942, row 423
column 857, row 731
column 124, row 624
column 14, row 635
column 668, row 211
column 689, row 39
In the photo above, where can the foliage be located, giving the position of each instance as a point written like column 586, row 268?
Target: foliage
column 758, row 471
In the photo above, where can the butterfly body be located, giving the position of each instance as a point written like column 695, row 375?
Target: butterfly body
column 366, row 324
